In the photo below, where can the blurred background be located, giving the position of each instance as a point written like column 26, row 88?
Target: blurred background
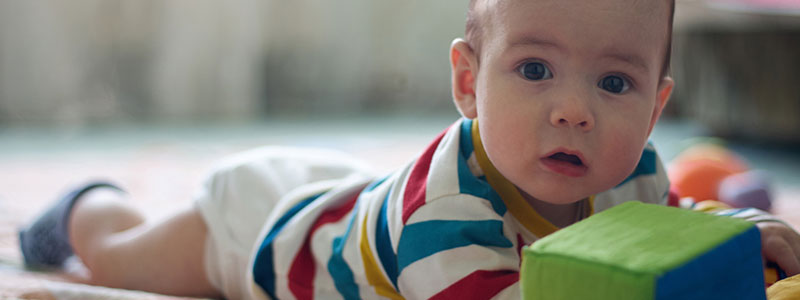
column 70, row 67
column 89, row 63
column 150, row 92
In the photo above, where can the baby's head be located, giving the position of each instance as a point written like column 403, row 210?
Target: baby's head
column 566, row 92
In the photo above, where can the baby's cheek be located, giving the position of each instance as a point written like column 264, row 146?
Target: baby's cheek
column 621, row 158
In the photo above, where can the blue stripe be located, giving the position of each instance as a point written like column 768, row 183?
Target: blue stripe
column 383, row 243
column 471, row 185
column 467, row 182
column 340, row 271
column 647, row 166
column 263, row 266
column 374, row 185
column 732, row 212
column 342, row 276
column 420, row 240
column 465, row 138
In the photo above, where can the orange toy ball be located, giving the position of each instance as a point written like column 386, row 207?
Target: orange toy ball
column 698, row 172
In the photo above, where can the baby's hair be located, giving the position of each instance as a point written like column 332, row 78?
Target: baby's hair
column 474, row 38
column 472, row 32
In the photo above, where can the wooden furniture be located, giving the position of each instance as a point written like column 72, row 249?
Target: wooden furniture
column 736, row 64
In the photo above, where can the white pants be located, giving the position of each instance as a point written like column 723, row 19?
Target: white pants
column 239, row 194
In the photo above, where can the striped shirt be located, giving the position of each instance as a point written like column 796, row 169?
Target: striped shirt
column 446, row 226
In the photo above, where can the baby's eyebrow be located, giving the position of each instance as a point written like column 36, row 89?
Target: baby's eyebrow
column 631, row 59
column 614, row 54
column 533, row 41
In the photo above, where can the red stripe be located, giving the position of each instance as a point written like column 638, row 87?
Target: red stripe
column 480, row 284
column 302, row 271
column 520, row 244
column 414, row 195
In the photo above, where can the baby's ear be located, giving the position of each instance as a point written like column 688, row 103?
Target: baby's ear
column 662, row 97
column 464, row 66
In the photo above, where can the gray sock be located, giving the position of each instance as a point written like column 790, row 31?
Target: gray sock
column 45, row 242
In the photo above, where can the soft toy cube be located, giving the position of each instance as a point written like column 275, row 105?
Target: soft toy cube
column 646, row 251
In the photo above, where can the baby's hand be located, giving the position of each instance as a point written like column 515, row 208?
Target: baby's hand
column 781, row 244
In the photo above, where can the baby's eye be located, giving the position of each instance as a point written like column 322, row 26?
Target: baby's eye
column 535, row 71
column 614, row 84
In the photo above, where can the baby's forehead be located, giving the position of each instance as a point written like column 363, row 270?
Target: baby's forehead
column 483, row 9
column 625, row 17
column 490, row 12
column 639, row 5
column 586, row 27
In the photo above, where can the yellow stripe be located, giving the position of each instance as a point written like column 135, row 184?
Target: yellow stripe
column 517, row 205
column 373, row 272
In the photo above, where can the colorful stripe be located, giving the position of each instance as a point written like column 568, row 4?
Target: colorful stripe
column 414, row 195
column 480, row 284
column 420, row 240
column 467, row 182
column 470, row 185
column 340, row 271
column 303, row 269
column 383, row 243
column 465, row 141
column 263, row 265
column 371, row 269
column 520, row 244
column 732, row 212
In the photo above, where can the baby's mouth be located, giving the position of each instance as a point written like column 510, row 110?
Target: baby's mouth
column 569, row 158
column 565, row 164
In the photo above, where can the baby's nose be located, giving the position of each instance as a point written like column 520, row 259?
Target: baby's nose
column 574, row 113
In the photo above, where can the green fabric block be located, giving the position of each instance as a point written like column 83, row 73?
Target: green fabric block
column 620, row 253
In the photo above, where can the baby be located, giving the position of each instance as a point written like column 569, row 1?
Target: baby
column 558, row 99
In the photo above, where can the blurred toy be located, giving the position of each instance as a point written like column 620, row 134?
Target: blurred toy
column 748, row 189
column 773, row 274
column 706, row 206
column 787, row 289
column 709, row 171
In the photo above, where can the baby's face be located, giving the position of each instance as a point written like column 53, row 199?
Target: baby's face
column 567, row 91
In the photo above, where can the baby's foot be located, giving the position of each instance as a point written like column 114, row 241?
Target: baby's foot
column 45, row 242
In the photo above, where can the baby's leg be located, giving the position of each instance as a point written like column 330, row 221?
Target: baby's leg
column 121, row 250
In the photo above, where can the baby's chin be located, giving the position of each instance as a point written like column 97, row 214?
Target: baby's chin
column 555, row 199
column 559, row 194
column 563, row 201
